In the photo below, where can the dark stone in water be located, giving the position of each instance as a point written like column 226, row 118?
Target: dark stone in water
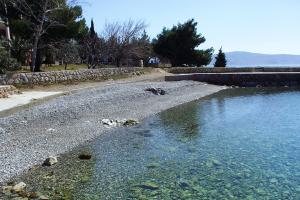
column 85, row 156
column 149, row 186
column 144, row 133
column 183, row 184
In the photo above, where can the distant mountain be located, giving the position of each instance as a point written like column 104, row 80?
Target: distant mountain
column 247, row 59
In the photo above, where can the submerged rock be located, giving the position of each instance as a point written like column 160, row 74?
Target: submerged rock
column 213, row 163
column 52, row 160
column 153, row 165
column 85, row 156
column 183, row 184
column 149, row 185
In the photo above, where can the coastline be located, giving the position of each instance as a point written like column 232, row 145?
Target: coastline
column 61, row 124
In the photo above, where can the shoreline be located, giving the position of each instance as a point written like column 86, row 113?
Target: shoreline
column 27, row 139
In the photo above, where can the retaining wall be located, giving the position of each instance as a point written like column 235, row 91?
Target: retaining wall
column 264, row 79
column 187, row 70
column 47, row 78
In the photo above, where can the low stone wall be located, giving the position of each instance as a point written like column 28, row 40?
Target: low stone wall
column 7, row 90
column 47, row 78
column 188, row 70
column 266, row 79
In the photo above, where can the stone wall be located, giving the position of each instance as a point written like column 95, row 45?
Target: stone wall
column 266, row 79
column 7, row 90
column 47, row 78
column 188, row 70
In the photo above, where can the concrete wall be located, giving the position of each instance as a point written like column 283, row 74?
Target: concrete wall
column 47, row 78
column 243, row 79
column 188, row 70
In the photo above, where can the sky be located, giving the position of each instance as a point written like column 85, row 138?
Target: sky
column 260, row 26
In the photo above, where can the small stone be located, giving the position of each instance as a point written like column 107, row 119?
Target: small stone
column 52, row 160
column 19, row 187
column 42, row 197
column 7, row 189
column 51, row 130
column 152, row 165
column 273, row 181
column 33, row 195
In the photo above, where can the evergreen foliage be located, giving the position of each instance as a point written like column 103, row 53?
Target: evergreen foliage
column 179, row 45
column 221, row 59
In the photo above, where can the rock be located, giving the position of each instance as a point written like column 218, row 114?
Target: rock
column 51, row 130
column 42, row 197
column 156, row 91
column 130, row 122
column 153, row 165
column 213, row 163
column 52, row 160
column 85, row 156
column 2, row 131
column 19, row 187
column 149, row 185
column 110, row 123
column 114, row 123
column 273, row 181
column 183, row 184
column 7, row 189
column 33, row 195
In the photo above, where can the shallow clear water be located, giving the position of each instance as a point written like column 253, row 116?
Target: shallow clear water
column 238, row 144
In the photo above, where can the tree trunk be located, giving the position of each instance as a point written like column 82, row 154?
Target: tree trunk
column 38, row 61
column 34, row 52
column 118, row 62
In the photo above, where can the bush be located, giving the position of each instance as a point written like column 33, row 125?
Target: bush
column 7, row 63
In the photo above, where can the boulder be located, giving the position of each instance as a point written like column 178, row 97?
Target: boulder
column 156, row 91
column 19, row 187
column 52, row 160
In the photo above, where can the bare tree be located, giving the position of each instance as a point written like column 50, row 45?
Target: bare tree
column 92, row 47
column 40, row 14
column 121, row 40
column 68, row 53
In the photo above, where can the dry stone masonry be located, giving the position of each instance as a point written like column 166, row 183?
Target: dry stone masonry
column 7, row 90
column 47, row 78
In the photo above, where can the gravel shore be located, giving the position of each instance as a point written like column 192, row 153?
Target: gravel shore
column 55, row 127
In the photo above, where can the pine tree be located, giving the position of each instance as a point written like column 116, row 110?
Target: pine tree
column 221, row 59
column 180, row 45
column 92, row 29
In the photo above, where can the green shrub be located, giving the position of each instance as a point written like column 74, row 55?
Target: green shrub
column 7, row 63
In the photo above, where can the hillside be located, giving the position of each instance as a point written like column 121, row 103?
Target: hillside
column 240, row 58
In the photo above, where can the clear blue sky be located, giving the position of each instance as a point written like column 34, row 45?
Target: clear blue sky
column 263, row 26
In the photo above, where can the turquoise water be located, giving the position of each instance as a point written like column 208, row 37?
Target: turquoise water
column 238, row 144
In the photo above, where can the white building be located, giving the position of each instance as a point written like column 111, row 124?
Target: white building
column 2, row 28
